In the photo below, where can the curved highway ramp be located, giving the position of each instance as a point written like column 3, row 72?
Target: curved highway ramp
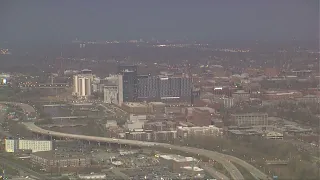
column 225, row 160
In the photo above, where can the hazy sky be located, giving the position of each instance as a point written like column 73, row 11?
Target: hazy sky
column 64, row 20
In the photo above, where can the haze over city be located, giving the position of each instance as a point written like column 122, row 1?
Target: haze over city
column 230, row 20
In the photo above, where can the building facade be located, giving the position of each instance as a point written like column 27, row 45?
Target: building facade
column 13, row 145
column 82, row 85
column 250, row 119
column 110, row 94
column 184, row 132
column 164, row 87
column 135, row 108
column 113, row 90
column 130, row 82
column 51, row 161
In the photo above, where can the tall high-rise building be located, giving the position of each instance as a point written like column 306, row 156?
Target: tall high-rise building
column 148, row 87
column 113, row 90
column 164, row 87
column 130, row 82
column 82, row 84
column 143, row 89
column 195, row 95
column 111, row 94
column 75, row 85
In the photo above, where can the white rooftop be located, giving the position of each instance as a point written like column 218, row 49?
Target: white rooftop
column 197, row 169
column 177, row 158
column 135, row 104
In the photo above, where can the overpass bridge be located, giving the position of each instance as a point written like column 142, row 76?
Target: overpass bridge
column 72, row 104
column 277, row 162
column 225, row 160
column 25, row 107
column 46, row 86
column 64, row 125
column 55, row 105
column 69, row 117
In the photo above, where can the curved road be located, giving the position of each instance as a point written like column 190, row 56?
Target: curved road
column 25, row 107
column 221, row 158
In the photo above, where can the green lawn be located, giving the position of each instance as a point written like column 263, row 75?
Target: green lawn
column 6, row 92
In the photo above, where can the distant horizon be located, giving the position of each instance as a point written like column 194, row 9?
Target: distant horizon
column 59, row 21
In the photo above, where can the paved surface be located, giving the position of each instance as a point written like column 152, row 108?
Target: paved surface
column 213, row 172
column 19, row 167
column 25, row 107
column 253, row 171
column 117, row 172
column 2, row 131
column 219, row 157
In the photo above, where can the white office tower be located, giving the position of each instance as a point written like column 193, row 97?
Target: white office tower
column 111, row 93
column 75, row 85
column 113, row 90
column 120, row 88
column 84, row 86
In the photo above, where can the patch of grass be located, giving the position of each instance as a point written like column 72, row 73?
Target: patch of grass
column 6, row 92
column 8, row 170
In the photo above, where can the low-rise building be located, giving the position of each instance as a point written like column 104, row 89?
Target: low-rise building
column 176, row 162
column 157, row 107
column 241, row 95
column 309, row 99
column 200, row 116
column 185, row 132
column 160, row 126
column 274, row 135
column 135, row 122
column 250, row 119
column 135, row 108
column 227, row 102
column 92, row 176
column 13, row 145
column 147, row 135
column 164, row 136
column 111, row 123
column 53, row 161
column 281, row 95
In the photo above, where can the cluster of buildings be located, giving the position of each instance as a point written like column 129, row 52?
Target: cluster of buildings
column 52, row 161
column 169, row 106
column 159, row 129
column 42, row 153
column 128, row 86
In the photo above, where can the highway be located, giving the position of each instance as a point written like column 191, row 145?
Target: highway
column 213, row 172
column 225, row 160
column 19, row 167
column 2, row 130
column 25, row 107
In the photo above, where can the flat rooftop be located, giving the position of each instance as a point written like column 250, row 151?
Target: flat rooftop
column 177, row 158
column 157, row 103
column 135, row 104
